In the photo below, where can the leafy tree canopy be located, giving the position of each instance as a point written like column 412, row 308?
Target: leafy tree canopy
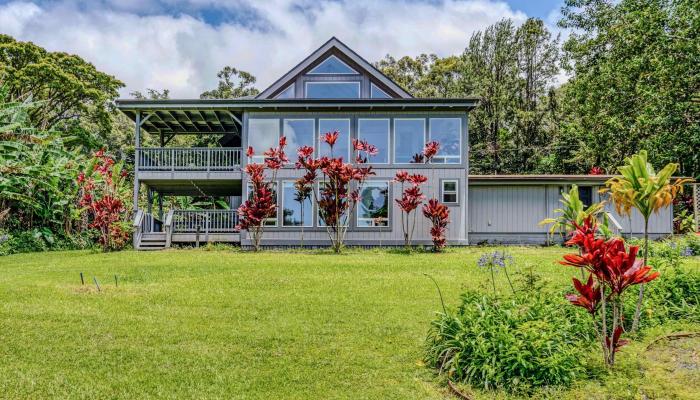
column 233, row 83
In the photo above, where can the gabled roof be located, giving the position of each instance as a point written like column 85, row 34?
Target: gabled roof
column 333, row 44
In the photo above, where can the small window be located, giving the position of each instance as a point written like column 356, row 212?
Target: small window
column 377, row 93
column 332, row 65
column 272, row 221
column 373, row 207
column 450, row 193
column 332, row 90
column 294, row 212
column 585, row 194
column 287, row 93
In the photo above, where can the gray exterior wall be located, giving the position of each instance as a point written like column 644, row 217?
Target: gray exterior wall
column 510, row 212
column 384, row 236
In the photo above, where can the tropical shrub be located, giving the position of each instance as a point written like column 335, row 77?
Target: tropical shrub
column 336, row 200
column 612, row 269
column 518, row 344
column 261, row 203
column 103, row 197
column 572, row 213
column 43, row 239
column 640, row 187
column 439, row 216
column 675, row 296
column 411, row 199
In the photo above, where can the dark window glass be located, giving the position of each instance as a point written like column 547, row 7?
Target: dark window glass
column 292, row 209
column 585, row 194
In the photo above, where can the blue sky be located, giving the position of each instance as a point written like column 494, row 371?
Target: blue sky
column 181, row 44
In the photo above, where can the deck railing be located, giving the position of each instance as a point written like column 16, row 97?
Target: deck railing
column 204, row 221
column 188, row 159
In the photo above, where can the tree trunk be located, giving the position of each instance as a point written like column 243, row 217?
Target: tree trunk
column 640, row 299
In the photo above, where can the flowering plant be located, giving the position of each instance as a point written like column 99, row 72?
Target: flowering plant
column 335, row 198
column 495, row 261
column 261, row 203
column 411, row 198
column 612, row 269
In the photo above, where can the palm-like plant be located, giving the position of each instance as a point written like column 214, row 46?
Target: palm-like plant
column 571, row 214
column 640, row 187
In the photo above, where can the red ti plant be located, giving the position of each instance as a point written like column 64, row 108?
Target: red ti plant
column 261, row 203
column 439, row 216
column 612, row 269
column 411, row 198
column 102, row 194
column 335, row 198
column 429, row 151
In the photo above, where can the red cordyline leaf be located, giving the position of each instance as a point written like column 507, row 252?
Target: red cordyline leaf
column 401, row 176
column 250, row 152
column 431, row 149
column 589, row 295
column 617, row 343
column 596, row 171
column 331, row 137
column 438, row 214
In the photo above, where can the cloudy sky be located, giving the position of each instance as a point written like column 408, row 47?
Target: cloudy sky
column 181, row 44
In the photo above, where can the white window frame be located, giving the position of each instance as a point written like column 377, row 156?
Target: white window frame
column 281, row 207
column 347, row 157
column 395, row 141
column 443, row 191
column 277, row 203
column 259, row 157
column 356, row 83
column 311, row 72
column 388, row 206
column 388, row 137
column 430, row 135
column 290, row 87
column 314, row 140
column 373, row 86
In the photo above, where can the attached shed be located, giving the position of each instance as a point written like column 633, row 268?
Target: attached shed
column 508, row 208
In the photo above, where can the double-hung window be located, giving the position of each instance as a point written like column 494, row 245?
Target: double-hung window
column 449, row 191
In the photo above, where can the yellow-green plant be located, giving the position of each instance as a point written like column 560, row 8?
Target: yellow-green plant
column 572, row 213
column 640, row 187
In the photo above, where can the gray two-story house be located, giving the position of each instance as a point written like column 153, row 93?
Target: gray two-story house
column 335, row 89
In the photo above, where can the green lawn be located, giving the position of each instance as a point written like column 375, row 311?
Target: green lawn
column 228, row 324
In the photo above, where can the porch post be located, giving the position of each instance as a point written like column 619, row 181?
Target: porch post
column 160, row 206
column 137, row 145
column 149, row 195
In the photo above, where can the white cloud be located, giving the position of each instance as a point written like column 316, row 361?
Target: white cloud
column 183, row 53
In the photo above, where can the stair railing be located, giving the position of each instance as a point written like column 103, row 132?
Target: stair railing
column 168, row 225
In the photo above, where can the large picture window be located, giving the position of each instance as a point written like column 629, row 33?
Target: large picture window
column 295, row 213
column 376, row 132
column 342, row 145
column 272, row 221
column 299, row 132
column 262, row 135
column 409, row 139
column 373, row 206
column 332, row 90
column 447, row 132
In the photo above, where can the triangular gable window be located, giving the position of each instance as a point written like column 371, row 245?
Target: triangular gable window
column 332, row 65
column 287, row 93
column 377, row 93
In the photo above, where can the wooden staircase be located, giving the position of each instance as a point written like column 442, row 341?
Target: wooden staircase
column 151, row 241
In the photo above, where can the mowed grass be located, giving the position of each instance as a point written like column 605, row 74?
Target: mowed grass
column 230, row 324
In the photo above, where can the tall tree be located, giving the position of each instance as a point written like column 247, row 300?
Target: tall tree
column 635, row 80
column 491, row 72
column 70, row 94
column 233, row 83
